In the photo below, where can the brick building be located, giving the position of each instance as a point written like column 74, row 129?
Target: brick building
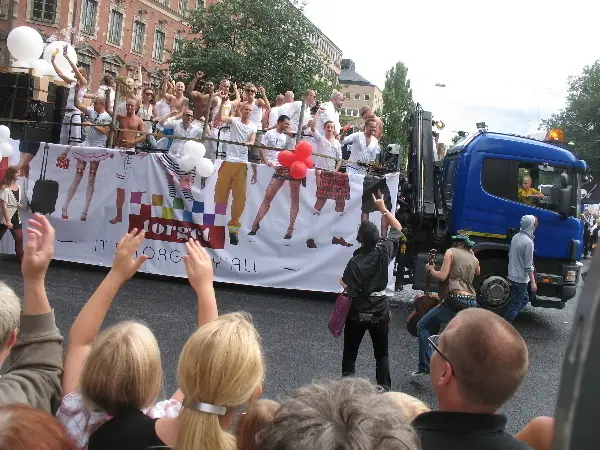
column 111, row 36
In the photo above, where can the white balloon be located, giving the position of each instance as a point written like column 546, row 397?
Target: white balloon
column 41, row 68
column 20, row 67
column 60, row 60
column 25, row 44
column 6, row 150
column 187, row 163
column 194, row 149
column 4, row 133
column 205, row 167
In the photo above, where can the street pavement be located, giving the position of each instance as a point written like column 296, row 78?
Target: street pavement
column 298, row 346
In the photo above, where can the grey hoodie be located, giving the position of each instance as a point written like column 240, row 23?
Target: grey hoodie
column 520, row 256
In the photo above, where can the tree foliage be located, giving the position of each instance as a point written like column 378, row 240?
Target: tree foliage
column 265, row 42
column 397, row 105
column 580, row 120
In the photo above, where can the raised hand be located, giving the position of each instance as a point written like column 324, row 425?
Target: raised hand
column 199, row 74
column 124, row 264
column 39, row 248
column 198, row 265
column 379, row 202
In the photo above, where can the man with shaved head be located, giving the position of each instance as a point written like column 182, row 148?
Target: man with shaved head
column 274, row 113
column 292, row 110
column 367, row 113
column 479, row 362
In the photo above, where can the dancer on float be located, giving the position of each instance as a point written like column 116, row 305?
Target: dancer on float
column 96, row 140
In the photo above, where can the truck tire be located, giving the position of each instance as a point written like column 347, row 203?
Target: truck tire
column 492, row 287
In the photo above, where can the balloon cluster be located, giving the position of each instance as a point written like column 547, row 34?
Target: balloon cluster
column 6, row 149
column 193, row 157
column 298, row 161
column 26, row 45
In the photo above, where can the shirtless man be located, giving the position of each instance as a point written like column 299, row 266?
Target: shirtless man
column 177, row 102
column 367, row 113
column 200, row 99
column 133, row 124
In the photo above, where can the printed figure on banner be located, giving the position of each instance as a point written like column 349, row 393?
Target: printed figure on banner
column 126, row 170
column 277, row 139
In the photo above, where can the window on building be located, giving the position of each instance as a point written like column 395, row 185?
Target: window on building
column 44, row 10
column 367, row 97
column 159, row 45
column 183, row 7
column 356, row 96
column 88, row 16
column 137, row 43
column 200, row 4
column 177, row 42
column 115, row 27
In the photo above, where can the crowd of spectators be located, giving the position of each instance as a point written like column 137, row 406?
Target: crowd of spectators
column 105, row 393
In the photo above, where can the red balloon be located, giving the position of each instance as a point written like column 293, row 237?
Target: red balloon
column 298, row 170
column 303, row 150
column 286, row 158
column 309, row 163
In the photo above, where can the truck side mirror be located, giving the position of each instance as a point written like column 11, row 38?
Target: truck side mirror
column 564, row 180
column 564, row 200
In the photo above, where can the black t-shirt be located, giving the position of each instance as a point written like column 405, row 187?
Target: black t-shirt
column 461, row 431
column 130, row 430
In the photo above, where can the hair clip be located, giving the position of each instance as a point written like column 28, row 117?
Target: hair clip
column 204, row 407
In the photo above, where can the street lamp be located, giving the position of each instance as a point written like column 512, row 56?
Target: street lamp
column 440, row 85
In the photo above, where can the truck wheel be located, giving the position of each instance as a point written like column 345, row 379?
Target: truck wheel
column 493, row 290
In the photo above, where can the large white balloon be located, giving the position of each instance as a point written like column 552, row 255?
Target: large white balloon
column 4, row 133
column 61, row 61
column 187, row 163
column 194, row 149
column 205, row 167
column 20, row 67
column 6, row 150
column 25, row 44
column 41, row 68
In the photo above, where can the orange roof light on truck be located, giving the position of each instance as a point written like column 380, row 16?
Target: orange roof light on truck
column 555, row 135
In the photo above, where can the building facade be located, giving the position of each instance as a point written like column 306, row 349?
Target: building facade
column 330, row 51
column 358, row 91
column 110, row 36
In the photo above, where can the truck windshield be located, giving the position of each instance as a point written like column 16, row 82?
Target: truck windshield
column 547, row 180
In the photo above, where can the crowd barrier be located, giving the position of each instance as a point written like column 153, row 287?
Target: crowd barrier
column 120, row 190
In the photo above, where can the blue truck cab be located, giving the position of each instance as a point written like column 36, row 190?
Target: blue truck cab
column 475, row 190
column 481, row 178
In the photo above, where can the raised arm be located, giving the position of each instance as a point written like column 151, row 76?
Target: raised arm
column 265, row 99
column 173, row 114
column 220, row 116
column 192, row 84
column 59, row 72
column 78, row 104
column 88, row 322
column 80, row 78
column 35, row 369
column 165, row 88
column 443, row 273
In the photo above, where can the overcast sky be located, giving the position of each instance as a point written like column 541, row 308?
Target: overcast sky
column 501, row 61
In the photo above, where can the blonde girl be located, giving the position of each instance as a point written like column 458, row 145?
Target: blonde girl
column 116, row 376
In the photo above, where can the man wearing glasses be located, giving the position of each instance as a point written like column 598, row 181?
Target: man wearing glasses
column 477, row 365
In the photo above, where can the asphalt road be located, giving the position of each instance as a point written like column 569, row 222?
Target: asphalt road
column 298, row 346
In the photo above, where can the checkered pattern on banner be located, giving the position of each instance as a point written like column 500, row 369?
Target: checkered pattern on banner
column 165, row 207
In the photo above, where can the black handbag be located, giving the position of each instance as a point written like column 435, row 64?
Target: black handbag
column 45, row 192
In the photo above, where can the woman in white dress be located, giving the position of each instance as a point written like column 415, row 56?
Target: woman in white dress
column 70, row 133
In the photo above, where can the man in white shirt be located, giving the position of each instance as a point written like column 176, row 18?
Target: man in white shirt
column 331, row 184
column 96, row 136
column 330, row 112
column 365, row 149
column 276, row 138
column 293, row 111
column 275, row 112
column 183, row 126
column 233, row 173
column 367, row 113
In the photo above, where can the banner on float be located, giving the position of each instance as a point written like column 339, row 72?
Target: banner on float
column 261, row 227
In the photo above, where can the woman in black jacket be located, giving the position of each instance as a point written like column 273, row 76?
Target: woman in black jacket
column 365, row 279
